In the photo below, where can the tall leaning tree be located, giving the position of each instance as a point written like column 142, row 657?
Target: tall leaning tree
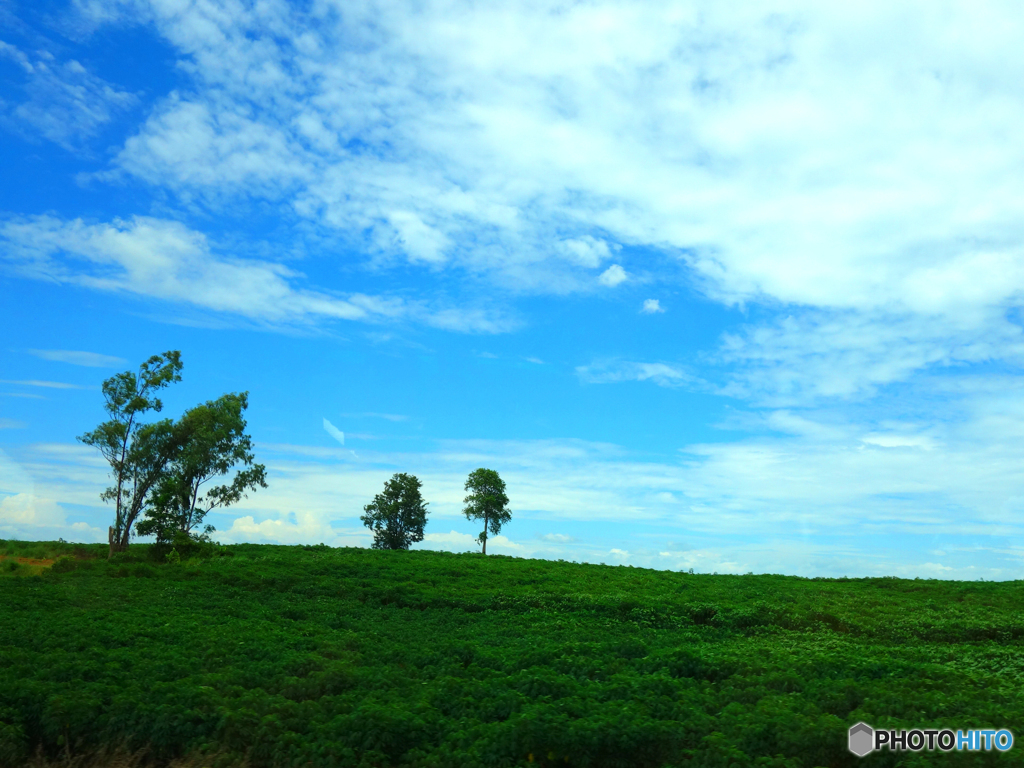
column 487, row 500
column 138, row 453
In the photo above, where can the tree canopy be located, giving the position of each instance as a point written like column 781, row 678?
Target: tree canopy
column 212, row 441
column 487, row 501
column 397, row 516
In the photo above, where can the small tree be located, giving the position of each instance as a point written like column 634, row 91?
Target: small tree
column 137, row 452
column 487, row 501
column 398, row 515
column 213, row 441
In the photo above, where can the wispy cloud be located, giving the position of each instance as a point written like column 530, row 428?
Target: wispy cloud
column 88, row 359
column 64, row 102
column 813, row 355
column 651, row 307
column 162, row 259
column 45, row 384
column 385, row 416
column 606, row 372
column 11, row 424
column 559, row 538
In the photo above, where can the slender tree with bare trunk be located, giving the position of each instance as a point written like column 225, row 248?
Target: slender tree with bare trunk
column 138, row 453
column 487, row 500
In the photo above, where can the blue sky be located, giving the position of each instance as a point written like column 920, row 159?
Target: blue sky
column 731, row 289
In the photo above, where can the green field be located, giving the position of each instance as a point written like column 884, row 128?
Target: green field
column 312, row 656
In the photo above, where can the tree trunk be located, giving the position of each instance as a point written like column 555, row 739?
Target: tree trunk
column 117, row 543
column 485, row 533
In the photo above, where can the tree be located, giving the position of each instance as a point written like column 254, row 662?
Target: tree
column 487, row 501
column 212, row 442
column 398, row 515
column 137, row 452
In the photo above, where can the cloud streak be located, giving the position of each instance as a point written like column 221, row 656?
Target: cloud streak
column 334, row 432
column 44, row 384
column 612, row 371
column 87, row 359
column 157, row 258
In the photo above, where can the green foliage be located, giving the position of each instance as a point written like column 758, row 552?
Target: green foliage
column 397, row 516
column 137, row 452
column 487, row 501
column 13, row 743
column 64, row 564
column 212, row 441
column 312, row 656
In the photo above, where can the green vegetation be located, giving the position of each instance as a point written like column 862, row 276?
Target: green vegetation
column 312, row 656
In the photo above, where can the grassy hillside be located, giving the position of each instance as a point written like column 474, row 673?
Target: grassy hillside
column 312, row 656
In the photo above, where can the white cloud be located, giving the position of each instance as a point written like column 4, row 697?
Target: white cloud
column 44, row 384
column 613, row 276
column 157, row 258
column 468, row 320
column 88, row 359
column 297, row 528
column 334, row 432
column 899, row 441
column 586, row 251
column 651, row 307
column 209, row 146
column 453, row 541
column 385, row 416
column 420, row 241
column 607, row 372
column 27, row 510
column 29, row 513
column 826, row 157
column 802, row 358
column 558, row 538
column 11, row 424
column 65, row 102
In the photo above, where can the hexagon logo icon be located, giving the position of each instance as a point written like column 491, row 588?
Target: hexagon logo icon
column 862, row 737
